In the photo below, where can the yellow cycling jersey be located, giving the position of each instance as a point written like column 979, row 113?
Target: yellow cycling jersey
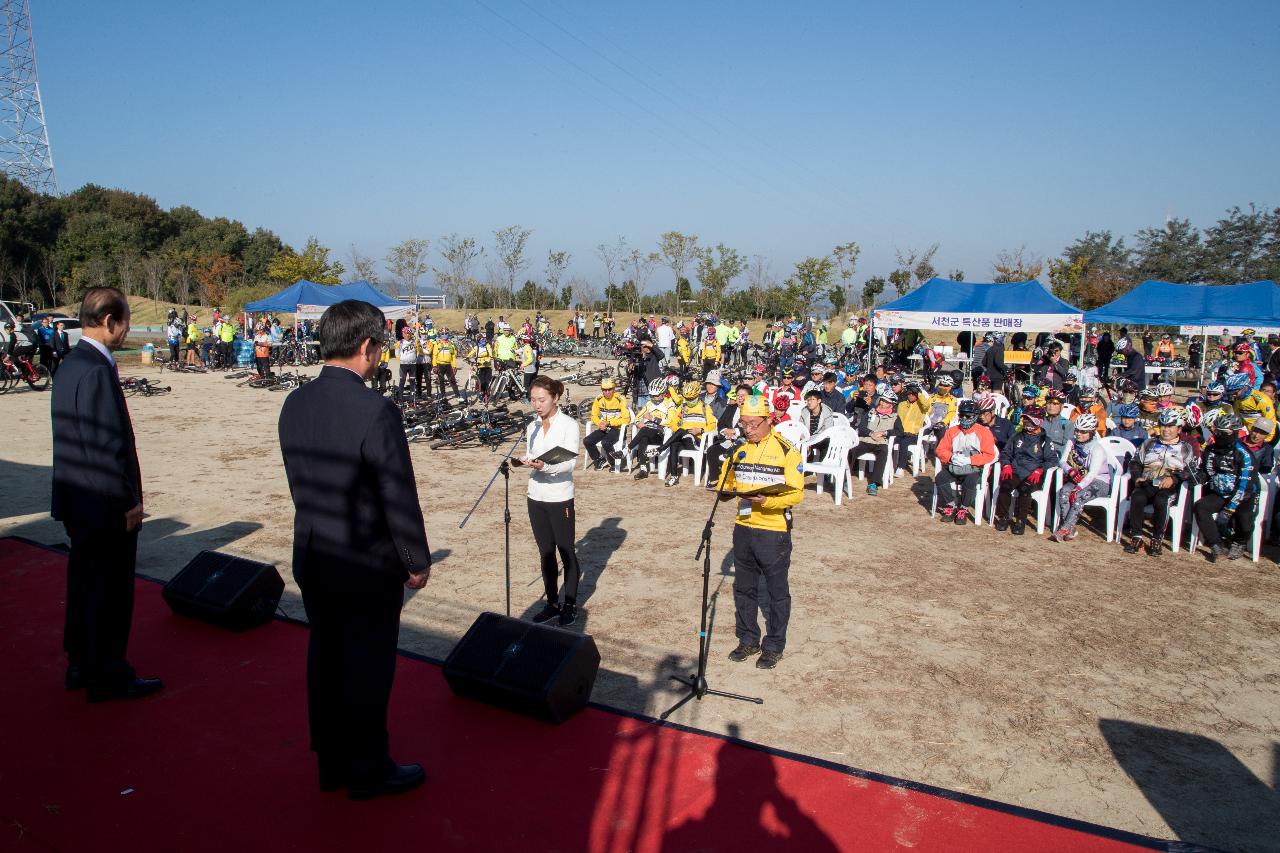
column 697, row 415
column 227, row 333
column 193, row 333
column 445, row 354
column 774, row 464
column 710, row 350
column 610, row 411
column 663, row 411
column 1256, row 405
column 526, row 356
column 483, row 356
column 683, row 350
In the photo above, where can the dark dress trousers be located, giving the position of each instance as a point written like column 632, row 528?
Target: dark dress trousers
column 357, row 535
column 96, row 481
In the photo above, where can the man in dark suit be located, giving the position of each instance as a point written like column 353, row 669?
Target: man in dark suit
column 358, row 537
column 97, row 495
column 61, row 346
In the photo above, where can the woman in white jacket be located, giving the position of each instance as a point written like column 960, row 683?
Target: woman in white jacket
column 551, row 511
column 1086, row 474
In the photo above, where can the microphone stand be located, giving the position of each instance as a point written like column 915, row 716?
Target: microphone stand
column 504, row 468
column 697, row 683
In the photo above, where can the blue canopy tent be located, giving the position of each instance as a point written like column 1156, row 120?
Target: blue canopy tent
column 964, row 306
column 1254, row 305
column 306, row 299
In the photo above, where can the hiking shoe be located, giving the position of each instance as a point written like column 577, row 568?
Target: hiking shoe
column 546, row 614
column 1216, row 552
column 641, row 473
column 962, row 516
column 948, row 513
column 1134, row 545
column 568, row 614
column 768, row 660
column 1018, row 527
column 743, row 651
column 1155, row 547
column 872, row 488
column 1063, row 535
column 1235, row 552
column 1001, row 523
column 673, row 480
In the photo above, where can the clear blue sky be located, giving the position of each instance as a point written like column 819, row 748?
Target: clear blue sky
column 777, row 128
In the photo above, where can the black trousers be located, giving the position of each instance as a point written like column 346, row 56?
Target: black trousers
column 757, row 554
column 1208, row 507
column 173, row 352
column 445, row 372
column 1004, row 497
column 484, row 375
column 946, row 483
column 100, row 603
column 902, row 450
column 410, row 370
column 708, row 365
column 715, row 460
column 553, row 530
column 351, row 662
column 1142, row 496
column 607, row 435
column 264, row 365
column 881, row 452
column 645, row 438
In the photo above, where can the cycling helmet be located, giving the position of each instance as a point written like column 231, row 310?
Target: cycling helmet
column 607, row 384
column 691, row 389
column 1123, row 344
column 1053, row 395
column 1228, row 422
column 760, row 370
column 1127, row 387
column 782, row 402
column 672, row 381
column 914, row 388
column 897, row 379
column 1211, row 418
column 1148, row 394
column 1087, row 394
column 1215, row 388
column 1243, row 347
column 984, row 381
column 1171, row 416
column 946, row 380
column 800, row 360
column 986, row 403
column 1192, row 414
column 1031, row 391
column 1128, row 410
column 1237, row 383
column 657, row 387
column 1164, row 389
column 888, row 397
column 1087, row 423
column 788, row 371
column 967, row 408
column 1034, row 420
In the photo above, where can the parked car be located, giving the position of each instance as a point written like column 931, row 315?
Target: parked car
column 71, row 325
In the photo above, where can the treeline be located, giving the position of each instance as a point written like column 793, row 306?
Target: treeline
column 53, row 248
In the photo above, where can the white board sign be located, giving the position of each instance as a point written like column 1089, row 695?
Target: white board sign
column 964, row 321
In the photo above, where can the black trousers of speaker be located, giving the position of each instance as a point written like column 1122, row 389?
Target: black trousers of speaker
column 536, row 670
column 227, row 591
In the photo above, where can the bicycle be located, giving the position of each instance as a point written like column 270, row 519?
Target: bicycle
column 132, row 385
column 21, row 369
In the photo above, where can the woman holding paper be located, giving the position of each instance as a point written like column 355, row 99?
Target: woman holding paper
column 551, row 441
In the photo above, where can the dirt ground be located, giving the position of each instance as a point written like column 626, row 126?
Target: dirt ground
column 1139, row 693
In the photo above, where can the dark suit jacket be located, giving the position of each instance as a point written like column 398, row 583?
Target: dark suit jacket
column 61, row 344
column 355, row 499
column 95, row 463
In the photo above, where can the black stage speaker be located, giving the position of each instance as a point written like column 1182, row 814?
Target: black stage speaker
column 227, row 591
column 536, row 670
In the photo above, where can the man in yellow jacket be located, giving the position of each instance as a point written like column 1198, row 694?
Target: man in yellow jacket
column 709, row 352
column 912, row 411
column 764, row 478
column 609, row 414
column 444, row 363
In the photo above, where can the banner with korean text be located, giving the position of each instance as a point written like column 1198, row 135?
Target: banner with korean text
column 965, row 321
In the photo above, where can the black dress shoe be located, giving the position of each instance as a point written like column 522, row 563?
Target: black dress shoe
column 404, row 778
column 75, row 678
column 136, row 689
column 546, row 614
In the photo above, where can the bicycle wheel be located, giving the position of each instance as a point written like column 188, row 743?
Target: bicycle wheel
column 263, row 382
column 39, row 380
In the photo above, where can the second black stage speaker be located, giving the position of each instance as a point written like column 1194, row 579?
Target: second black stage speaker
column 536, row 670
column 228, row 591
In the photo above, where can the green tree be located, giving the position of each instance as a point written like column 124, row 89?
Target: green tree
column 455, row 279
column 901, row 281
column 871, row 290
column 846, row 258
column 312, row 264
column 716, row 275
column 956, row 275
column 677, row 250
column 557, row 263
column 1243, row 246
column 407, row 263
column 836, row 297
column 811, row 277
column 1014, row 266
column 509, row 244
column 1172, row 253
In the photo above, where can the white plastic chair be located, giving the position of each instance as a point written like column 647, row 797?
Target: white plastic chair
column 1002, row 405
column 984, row 486
column 1068, row 409
column 835, row 462
column 866, row 460
column 622, row 459
column 1260, row 520
column 793, row 431
column 697, row 455
column 1176, row 518
column 1110, row 502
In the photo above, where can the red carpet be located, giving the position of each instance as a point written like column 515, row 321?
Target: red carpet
column 218, row 761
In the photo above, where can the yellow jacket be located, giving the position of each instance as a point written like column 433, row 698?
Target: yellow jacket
column 504, row 347
column 696, row 414
column 912, row 414
column 710, row 350
column 950, row 401
column 1255, row 406
column 526, row 356
column 771, row 462
column 684, row 350
column 193, row 333
column 610, row 411
column 483, row 355
column 227, row 333
column 445, row 354
column 663, row 411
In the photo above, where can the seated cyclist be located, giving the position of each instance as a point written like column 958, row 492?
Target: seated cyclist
column 1025, row 461
column 1162, row 464
column 1086, row 475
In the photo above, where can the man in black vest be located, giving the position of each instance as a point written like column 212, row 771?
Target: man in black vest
column 97, row 495
column 358, row 538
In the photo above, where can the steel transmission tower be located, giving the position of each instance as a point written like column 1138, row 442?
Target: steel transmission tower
column 24, row 140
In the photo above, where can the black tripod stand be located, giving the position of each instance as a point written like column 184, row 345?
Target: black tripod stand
column 697, row 683
column 504, row 468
